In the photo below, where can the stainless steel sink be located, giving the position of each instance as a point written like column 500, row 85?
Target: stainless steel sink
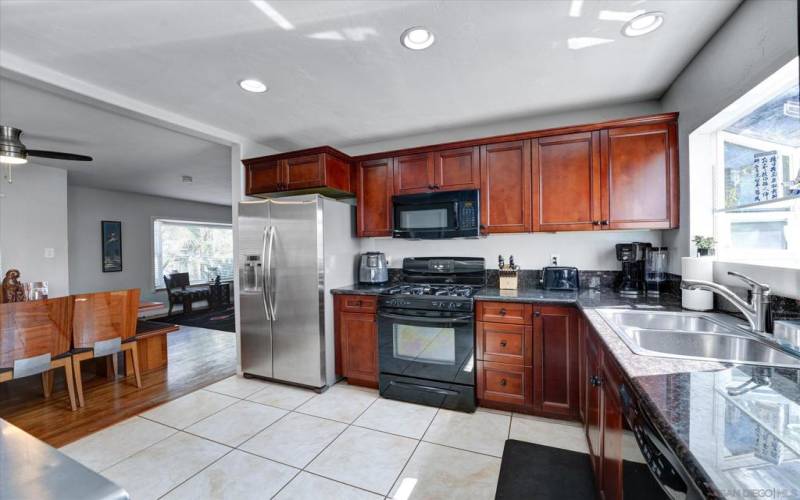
column 693, row 336
column 666, row 321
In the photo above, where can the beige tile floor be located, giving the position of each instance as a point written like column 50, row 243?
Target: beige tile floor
column 244, row 438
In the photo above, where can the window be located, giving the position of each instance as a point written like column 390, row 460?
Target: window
column 202, row 249
column 754, row 150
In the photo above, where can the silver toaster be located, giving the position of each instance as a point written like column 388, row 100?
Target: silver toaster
column 373, row 268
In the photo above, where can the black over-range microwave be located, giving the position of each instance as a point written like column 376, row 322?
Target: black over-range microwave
column 448, row 214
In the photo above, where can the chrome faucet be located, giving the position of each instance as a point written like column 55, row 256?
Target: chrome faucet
column 755, row 310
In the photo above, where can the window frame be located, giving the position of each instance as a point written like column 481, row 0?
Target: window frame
column 158, row 285
column 725, row 252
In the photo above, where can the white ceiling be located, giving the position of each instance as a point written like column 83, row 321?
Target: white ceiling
column 129, row 154
column 336, row 70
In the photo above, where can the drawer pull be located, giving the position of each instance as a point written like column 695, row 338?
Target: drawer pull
column 502, row 311
column 503, row 343
column 503, row 382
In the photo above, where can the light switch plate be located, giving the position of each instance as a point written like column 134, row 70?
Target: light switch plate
column 49, row 253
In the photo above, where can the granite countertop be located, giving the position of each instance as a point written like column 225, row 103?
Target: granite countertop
column 31, row 469
column 734, row 446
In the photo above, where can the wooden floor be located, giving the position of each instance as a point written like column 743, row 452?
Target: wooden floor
column 197, row 357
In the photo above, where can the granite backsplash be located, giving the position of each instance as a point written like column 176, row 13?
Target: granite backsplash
column 781, row 307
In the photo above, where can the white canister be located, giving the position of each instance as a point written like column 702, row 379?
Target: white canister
column 697, row 268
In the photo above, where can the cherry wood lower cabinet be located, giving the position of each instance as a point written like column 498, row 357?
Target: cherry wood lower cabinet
column 556, row 360
column 356, row 332
column 527, row 358
column 603, row 416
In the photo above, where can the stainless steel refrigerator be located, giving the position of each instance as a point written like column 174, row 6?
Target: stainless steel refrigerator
column 292, row 252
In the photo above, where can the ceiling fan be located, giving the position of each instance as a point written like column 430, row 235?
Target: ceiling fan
column 13, row 152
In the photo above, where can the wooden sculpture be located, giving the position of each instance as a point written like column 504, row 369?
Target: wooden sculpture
column 13, row 290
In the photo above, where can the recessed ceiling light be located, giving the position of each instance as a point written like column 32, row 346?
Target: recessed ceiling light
column 417, row 38
column 251, row 85
column 643, row 24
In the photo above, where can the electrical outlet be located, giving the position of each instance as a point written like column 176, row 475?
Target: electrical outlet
column 554, row 258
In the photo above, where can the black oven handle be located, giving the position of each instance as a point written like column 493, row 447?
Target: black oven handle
column 423, row 319
column 437, row 390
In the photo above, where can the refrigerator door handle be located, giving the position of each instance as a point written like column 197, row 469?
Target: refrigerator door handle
column 272, row 287
column 264, row 271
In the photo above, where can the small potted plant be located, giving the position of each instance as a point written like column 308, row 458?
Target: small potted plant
column 705, row 245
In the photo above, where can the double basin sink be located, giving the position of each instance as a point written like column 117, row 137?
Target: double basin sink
column 694, row 336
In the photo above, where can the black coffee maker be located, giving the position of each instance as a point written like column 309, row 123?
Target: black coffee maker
column 632, row 256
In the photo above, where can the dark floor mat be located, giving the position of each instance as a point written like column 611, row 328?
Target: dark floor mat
column 531, row 471
column 640, row 483
column 215, row 319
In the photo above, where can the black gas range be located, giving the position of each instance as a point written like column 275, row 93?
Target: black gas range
column 426, row 332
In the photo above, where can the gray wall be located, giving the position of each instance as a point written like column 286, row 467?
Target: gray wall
column 33, row 217
column 87, row 207
column 759, row 38
column 585, row 250
column 537, row 122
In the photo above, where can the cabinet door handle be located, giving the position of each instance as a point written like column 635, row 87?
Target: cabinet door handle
column 595, row 222
column 537, row 314
column 603, row 222
column 595, row 381
column 503, row 382
column 502, row 311
column 436, row 186
column 503, row 343
column 431, row 186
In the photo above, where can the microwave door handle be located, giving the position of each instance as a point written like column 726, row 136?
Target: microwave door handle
column 455, row 215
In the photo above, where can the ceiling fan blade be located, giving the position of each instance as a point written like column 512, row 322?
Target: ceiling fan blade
column 58, row 156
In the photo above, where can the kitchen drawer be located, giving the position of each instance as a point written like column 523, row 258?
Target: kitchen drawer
column 505, row 312
column 504, row 343
column 505, row 383
column 358, row 303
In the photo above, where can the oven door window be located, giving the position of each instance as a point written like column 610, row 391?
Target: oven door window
column 434, row 217
column 425, row 344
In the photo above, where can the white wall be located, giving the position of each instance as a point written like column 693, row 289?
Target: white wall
column 87, row 207
column 588, row 251
column 758, row 39
column 33, row 217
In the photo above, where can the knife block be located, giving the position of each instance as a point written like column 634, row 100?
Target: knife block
column 508, row 280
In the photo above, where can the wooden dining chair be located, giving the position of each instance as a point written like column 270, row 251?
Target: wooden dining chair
column 104, row 324
column 35, row 339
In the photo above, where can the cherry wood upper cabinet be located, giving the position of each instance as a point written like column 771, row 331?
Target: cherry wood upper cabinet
column 556, row 351
column 640, row 177
column 506, row 187
column 456, row 169
column 374, row 188
column 262, row 176
column 324, row 169
column 413, row 174
column 566, row 182
column 447, row 170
